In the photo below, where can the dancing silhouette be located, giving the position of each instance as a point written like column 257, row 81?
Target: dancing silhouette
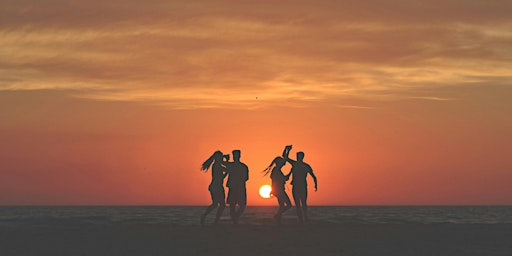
column 300, row 170
column 238, row 175
column 278, row 190
column 216, row 187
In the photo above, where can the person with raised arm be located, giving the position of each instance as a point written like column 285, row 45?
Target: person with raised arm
column 300, row 170
column 278, row 190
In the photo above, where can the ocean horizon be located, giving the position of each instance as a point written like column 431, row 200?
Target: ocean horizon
column 254, row 215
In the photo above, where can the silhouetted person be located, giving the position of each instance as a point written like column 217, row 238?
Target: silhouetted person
column 300, row 170
column 237, row 195
column 278, row 190
column 216, row 187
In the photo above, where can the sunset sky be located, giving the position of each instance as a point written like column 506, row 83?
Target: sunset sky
column 119, row 102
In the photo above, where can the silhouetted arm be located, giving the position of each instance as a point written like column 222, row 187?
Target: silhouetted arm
column 291, row 161
column 286, row 153
column 314, row 178
column 226, row 164
column 287, row 176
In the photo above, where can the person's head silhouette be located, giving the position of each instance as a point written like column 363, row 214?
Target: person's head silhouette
column 236, row 155
column 300, row 156
column 278, row 162
column 215, row 157
column 218, row 156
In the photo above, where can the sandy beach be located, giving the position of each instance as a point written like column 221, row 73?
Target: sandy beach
column 227, row 239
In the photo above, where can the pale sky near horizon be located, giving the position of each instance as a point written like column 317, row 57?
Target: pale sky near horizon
column 119, row 102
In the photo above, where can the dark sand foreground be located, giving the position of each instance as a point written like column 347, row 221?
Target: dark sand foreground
column 226, row 239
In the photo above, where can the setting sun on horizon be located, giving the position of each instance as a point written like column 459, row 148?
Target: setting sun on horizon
column 265, row 191
column 393, row 103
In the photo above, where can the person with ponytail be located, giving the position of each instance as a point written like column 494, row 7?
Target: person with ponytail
column 278, row 182
column 216, row 187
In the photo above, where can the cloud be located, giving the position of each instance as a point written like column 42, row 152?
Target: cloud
column 224, row 53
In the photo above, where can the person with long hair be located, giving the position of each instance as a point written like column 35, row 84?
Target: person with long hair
column 278, row 189
column 216, row 187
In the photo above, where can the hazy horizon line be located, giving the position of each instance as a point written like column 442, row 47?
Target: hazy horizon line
column 326, row 205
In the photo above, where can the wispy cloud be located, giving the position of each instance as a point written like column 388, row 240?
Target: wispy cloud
column 225, row 54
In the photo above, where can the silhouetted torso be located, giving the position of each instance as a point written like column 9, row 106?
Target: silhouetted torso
column 238, row 174
column 217, row 176
column 278, row 180
column 300, row 171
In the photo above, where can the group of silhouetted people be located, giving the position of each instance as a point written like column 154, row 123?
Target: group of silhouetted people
column 238, row 174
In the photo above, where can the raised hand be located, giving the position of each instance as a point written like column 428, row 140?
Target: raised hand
column 286, row 151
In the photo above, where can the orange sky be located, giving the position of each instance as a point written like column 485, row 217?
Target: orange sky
column 402, row 102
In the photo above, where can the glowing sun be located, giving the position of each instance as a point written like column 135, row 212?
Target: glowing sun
column 265, row 191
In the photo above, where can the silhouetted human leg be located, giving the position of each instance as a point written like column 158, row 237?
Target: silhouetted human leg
column 305, row 205
column 297, row 199
column 241, row 209
column 208, row 210
column 304, row 209
column 232, row 212
column 298, row 208
column 219, row 213
column 286, row 202
column 242, row 201
column 281, row 204
column 280, row 211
